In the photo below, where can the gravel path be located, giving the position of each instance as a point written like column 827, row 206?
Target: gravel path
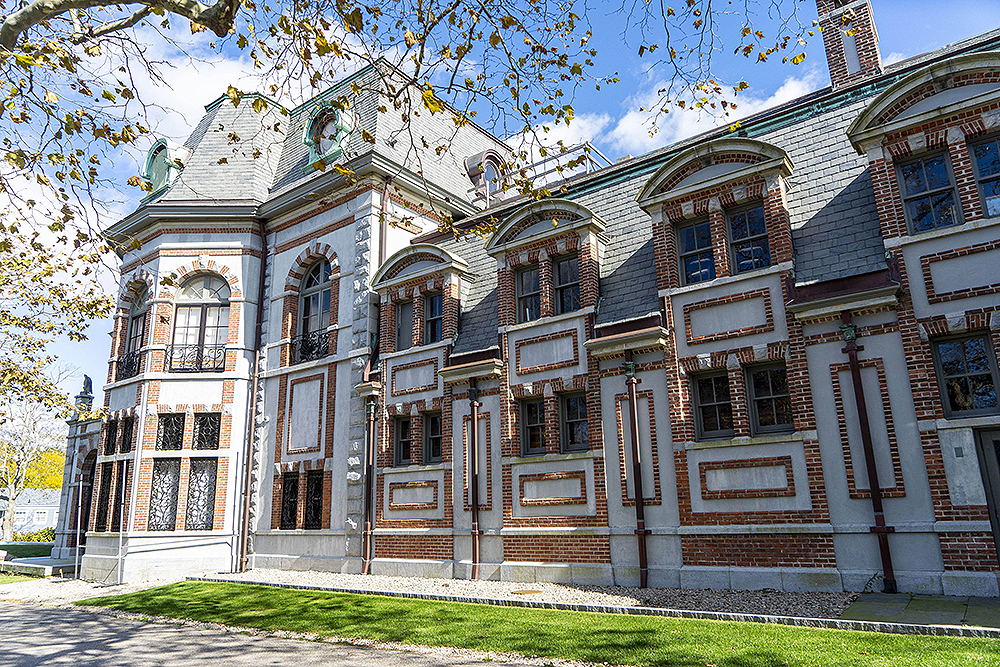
column 811, row 605
column 56, row 592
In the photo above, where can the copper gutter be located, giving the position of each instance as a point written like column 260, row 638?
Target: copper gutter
column 241, row 565
column 474, row 469
column 849, row 333
column 640, row 510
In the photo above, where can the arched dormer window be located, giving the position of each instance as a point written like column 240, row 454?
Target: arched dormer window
column 325, row 132
column 314, row 313
column 201, row 325
column 163, row 163
column 487, row 175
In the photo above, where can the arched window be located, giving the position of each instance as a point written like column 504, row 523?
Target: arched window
column 491, row 176
column 201, row 326
column 128, row 363
column 314, row 313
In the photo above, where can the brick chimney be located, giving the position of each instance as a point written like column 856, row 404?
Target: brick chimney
column 851, row 40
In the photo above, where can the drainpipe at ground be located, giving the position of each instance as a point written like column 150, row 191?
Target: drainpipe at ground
column 474, row 470
column 849, row 333
column 371, row 407
column 640, row 510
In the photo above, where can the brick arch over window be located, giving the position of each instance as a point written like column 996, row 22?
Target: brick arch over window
column 195, row 267
column 312, row 253
column 306, row 259
column 711, row 163
column 566, row 214
column 133, row 286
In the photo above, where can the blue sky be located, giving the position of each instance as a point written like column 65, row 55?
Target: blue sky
column 610, row 118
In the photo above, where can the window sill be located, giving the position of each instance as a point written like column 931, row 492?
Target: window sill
column 918, row 237
column 727, row 280
column 551, row 319
column 440, row 345
column 764, row 439
column 544, row 458
column 969, row 421
column 429, row 467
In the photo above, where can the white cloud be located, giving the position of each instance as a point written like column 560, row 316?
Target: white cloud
column 582, row 128
column 632, row 133
column 894, row 57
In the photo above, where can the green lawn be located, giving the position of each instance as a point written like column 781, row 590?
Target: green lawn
column 28, row 550
column 6, row 578
column 604, row 638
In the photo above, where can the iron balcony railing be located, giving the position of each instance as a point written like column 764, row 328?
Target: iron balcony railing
column 127, row 366
column 311, row 346
column 195, row 358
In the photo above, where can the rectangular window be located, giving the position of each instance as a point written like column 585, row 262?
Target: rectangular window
column 125, row 436
column 433, row 318
column 928, row 194
column 770, row 402
column 404, row 325
column 713, row 406
column 314, row 500
column 696, row 258
column 137, row 326
column 116, row 500
column 533, row 427
column 169, row 432
column 206, row 430
column 40, row 516
column 748, row 239
column 529, row 303
column 567, row 284
column 110, row 436
column 403, row 441
column 104, row 497
column 967, row 375
column 575, row 436
column 163, row 494
column 432, row 437
column 988, row 176
column 289, row 501
column 201, row 495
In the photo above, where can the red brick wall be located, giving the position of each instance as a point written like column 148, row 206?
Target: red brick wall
column 557, row 549
column 759, row 550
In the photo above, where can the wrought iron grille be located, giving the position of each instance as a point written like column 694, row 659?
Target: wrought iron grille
column 289, row 501
column 103, row 498
column 170, row 432
column 206, row 430
column 163, row 494
column 312, row 346
column 110, row 435
column 195, row 358
column 127, row 366
column 116, row 502
column 314, row 500
column 201, row 495
column 125, row 439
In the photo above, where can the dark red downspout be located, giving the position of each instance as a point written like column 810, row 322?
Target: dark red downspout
column 849, row 333
column 474, row 468
column 640, row 510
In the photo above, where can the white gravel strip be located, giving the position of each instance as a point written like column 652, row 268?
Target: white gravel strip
column 766, row 602
column 57, row 592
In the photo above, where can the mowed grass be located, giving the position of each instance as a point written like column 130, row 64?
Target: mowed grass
column 605, row 638
column 28, row 549
column 6, row 578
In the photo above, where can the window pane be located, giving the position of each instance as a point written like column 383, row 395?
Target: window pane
column 944, row 210
column 704, row 234
column 984, row 394
column 987, row 159
column 289, row 501
column 705, row 393
column 698, row 268
column 913, row 178
column 952, row 361
column 688, row 240
column 755, row 221
column 761, row 385
column 991, row 193
column 163, row 494
column 921, row 214
column 783, row 410
column 579, row 435
column 726, row 417
column 721, row 387
column 201, row 495
column 531, row 308
column 404, row 325
column 779, row 381
column 765, row 413
column 569, row 271
column 959, row 397
column 529, row 281
column 314, row 500
column 936, row 172
column 739, row 225
column 709, row 419
column 976, row 357
column 569, row 299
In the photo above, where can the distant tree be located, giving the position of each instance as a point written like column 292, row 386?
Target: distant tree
column 47, row 470
column 30, row 432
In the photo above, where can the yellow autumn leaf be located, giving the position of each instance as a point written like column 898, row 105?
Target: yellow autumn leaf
column 50, row 97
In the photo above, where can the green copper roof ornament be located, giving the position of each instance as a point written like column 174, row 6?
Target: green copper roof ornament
column 325, row 132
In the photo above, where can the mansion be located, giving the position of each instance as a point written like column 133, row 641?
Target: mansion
column 757, row 358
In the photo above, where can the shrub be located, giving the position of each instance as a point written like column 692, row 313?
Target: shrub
column 44, row 535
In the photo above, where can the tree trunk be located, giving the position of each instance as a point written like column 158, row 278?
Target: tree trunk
column 8, row 522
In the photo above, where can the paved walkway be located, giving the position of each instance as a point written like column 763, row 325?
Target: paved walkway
column 925, row 609
column 35, row 636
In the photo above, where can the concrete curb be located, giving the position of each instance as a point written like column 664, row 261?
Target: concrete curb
column 827, row 623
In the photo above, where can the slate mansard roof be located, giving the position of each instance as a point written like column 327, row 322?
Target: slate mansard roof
column 834, row 220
